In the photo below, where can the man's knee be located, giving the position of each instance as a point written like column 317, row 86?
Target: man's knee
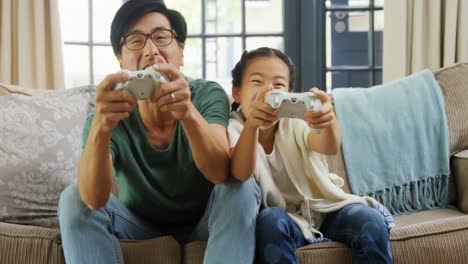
column 242, row 199
column 70, row 207
column 240, row 192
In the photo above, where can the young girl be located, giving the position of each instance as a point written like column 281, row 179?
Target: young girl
column 302, row 202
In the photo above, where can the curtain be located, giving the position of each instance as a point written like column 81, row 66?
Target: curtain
column 423, row 34
column 31, row 44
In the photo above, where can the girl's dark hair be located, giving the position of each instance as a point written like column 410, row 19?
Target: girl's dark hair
column 239, row 70
column 130, row 12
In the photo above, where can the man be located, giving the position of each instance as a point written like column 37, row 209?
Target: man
column 166, row 153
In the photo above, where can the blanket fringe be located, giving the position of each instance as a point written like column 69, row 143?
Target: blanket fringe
column 424, row 194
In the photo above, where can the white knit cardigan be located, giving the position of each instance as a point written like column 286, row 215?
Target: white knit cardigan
column 308, row 171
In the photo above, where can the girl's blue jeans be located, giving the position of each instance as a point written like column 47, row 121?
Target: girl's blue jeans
column 360, row 227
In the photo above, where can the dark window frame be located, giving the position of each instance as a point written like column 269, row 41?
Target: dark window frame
column 203, row 36
column 305, row 41
column 243, row 34
column 90, row 43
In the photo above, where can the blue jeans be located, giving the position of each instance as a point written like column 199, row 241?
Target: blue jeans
column 228, row 225
column 360, row 227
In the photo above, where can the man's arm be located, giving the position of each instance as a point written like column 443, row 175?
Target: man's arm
column 95, row 168
column 209, row 145
column 208, row 142
column 95, row 171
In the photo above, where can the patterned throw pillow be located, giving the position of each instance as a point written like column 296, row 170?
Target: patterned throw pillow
column 40, row 146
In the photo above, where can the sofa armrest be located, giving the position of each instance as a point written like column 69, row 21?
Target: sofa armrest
column 459, row 165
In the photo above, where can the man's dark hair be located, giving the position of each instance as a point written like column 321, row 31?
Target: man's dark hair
column 132, row 11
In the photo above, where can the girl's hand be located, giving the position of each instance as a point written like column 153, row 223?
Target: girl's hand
column 260, row 113
column 323, row 117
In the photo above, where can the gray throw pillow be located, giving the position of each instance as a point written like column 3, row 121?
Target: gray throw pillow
column 40, row 146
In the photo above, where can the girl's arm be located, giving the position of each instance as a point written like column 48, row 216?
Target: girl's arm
column 244, row 154
column 329, row 140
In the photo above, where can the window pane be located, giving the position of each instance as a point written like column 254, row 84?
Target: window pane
column 191, row 10
column 222, row 55
column 103, row 13
column 379, row 3
column 193, row 58
column 378, row 37
column 272, row 42
column 353, row 3
column 257, row 12
column 328, row 80
column 347, row 38
column 75, row 20
column 105, row 62
column 341, row 79
column 378, row 77
column 76, row 65
column 223, row 16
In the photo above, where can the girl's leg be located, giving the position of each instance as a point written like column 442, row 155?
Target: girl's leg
column 277, row 236
column 363, row 229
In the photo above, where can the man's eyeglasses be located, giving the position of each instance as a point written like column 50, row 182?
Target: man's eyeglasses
column 160, row 38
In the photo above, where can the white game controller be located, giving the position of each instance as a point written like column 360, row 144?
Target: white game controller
column 142, row 83
column 293, row 105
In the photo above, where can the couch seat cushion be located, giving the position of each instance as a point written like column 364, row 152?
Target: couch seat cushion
column 435, row 236
column 30, row 244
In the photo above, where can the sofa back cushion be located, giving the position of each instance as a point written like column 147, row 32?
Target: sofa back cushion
column 454, row 84
column 40, row 145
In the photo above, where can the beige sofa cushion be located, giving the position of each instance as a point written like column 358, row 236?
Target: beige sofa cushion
column 3, row 91
column 459, row 166
column 435, row 236
column 454, row 84
column 40, row 146
column 29, row 244
column 16, row 89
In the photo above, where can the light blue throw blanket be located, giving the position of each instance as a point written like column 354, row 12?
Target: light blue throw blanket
column 395, row 142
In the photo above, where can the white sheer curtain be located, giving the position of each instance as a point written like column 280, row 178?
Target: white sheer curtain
column 423, row 34
column 31, row 44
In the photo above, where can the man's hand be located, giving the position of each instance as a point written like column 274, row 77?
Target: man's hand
column 112, row 106
column 323, row 117
column 174, row 96
column 261, row 114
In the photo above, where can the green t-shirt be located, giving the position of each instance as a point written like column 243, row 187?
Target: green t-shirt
column 164, row 186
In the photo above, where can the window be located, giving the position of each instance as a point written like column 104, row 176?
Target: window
column 88, row 53
column 337, row 43
column 354, row 43
column 334, row 43
column 219, row 30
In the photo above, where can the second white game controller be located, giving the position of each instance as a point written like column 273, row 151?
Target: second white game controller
column 142, row 83
column 293, row 105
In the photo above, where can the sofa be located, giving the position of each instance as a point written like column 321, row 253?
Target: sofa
column 433, row 236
